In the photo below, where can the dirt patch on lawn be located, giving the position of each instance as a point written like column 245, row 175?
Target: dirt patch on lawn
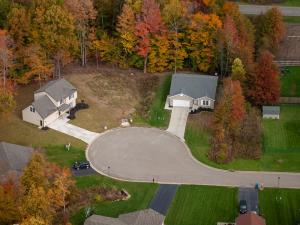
column 111, row 93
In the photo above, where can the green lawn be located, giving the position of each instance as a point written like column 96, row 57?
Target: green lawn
column 291, row 19
column 280, row 206
column 202, row 205
column 283, row 135
column 295, row 3
column 281, row 145
column 62, row 157
column 141, row 195
column 290, row 83
column 158, row 116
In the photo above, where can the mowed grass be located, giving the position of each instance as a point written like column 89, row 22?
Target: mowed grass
column 290, row 83
column 283, row 135
column 295, row 3
column 281, row 145
column 280, row 206
column 61, row 156
column 291, row 19
column 202, row 205
column 158, row 116
column 141, row 195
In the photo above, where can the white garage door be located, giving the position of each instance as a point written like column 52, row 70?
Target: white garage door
column 181, row 103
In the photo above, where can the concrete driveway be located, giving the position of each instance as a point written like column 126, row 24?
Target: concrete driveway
column 63, row 126
column 258, row 9
column 178, row 121
column 143, row 154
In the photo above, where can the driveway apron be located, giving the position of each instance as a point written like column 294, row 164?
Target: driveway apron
column 178, row 121
column 63, row 126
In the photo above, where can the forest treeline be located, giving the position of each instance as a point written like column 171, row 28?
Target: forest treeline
column 39, row 37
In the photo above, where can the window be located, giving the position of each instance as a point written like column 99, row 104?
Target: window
column 32, row 109
column 205, row 102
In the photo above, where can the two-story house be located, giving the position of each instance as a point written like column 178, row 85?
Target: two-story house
column 51, row 101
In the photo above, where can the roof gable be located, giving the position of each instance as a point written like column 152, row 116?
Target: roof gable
column 194, row 85
column 44, row 106
column 143, row 217
column 58, row 89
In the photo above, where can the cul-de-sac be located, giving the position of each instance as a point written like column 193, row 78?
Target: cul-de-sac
column 150, row 112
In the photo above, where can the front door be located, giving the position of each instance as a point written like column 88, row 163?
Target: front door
column 41, row 123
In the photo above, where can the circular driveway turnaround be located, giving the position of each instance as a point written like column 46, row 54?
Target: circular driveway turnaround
column 144, row 154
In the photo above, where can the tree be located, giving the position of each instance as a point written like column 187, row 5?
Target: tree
column 40, row 68
column 9, row 213
column 149, row 23
column 173, row 12
column 238, row 71
column 270, row 30
column 5, row 56
column 249, row 138
column 4, row 10
column 202, row 38
column 229, row 44
column 228, row 117
column 54, row 30
column 126, row 29
column 264, row 86
column 36, row 206
column 159, row 54
column 34, row 174
column 61, row 189
column 84, row 12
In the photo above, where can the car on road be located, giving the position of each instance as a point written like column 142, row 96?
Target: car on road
column 243, row 206
column 81, row 165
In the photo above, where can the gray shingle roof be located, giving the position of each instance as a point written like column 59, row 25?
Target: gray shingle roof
column 58, row 89
column 44, row 106
column 13, row 157
column 143, row 217
column 102, row 220
column 194, row 85
column 271, row 110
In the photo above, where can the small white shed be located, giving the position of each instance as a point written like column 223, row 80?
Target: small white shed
column 271, row 112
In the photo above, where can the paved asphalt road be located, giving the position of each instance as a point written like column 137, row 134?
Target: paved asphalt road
column 141, row 154
column 258, row 9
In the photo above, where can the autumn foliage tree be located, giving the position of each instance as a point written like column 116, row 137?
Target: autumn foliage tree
column 149, row 24
column 7, row 102
column 84, row 13
column 229, row 114
column 264, row 86
column 202, row 38
column 270, row 30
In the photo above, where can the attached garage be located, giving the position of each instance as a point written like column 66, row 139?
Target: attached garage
column 181, row 103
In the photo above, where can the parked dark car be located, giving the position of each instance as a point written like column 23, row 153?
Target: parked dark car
column 243, row 206
column 81, row 165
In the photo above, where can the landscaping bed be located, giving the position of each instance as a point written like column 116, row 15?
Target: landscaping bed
column 141, row 195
